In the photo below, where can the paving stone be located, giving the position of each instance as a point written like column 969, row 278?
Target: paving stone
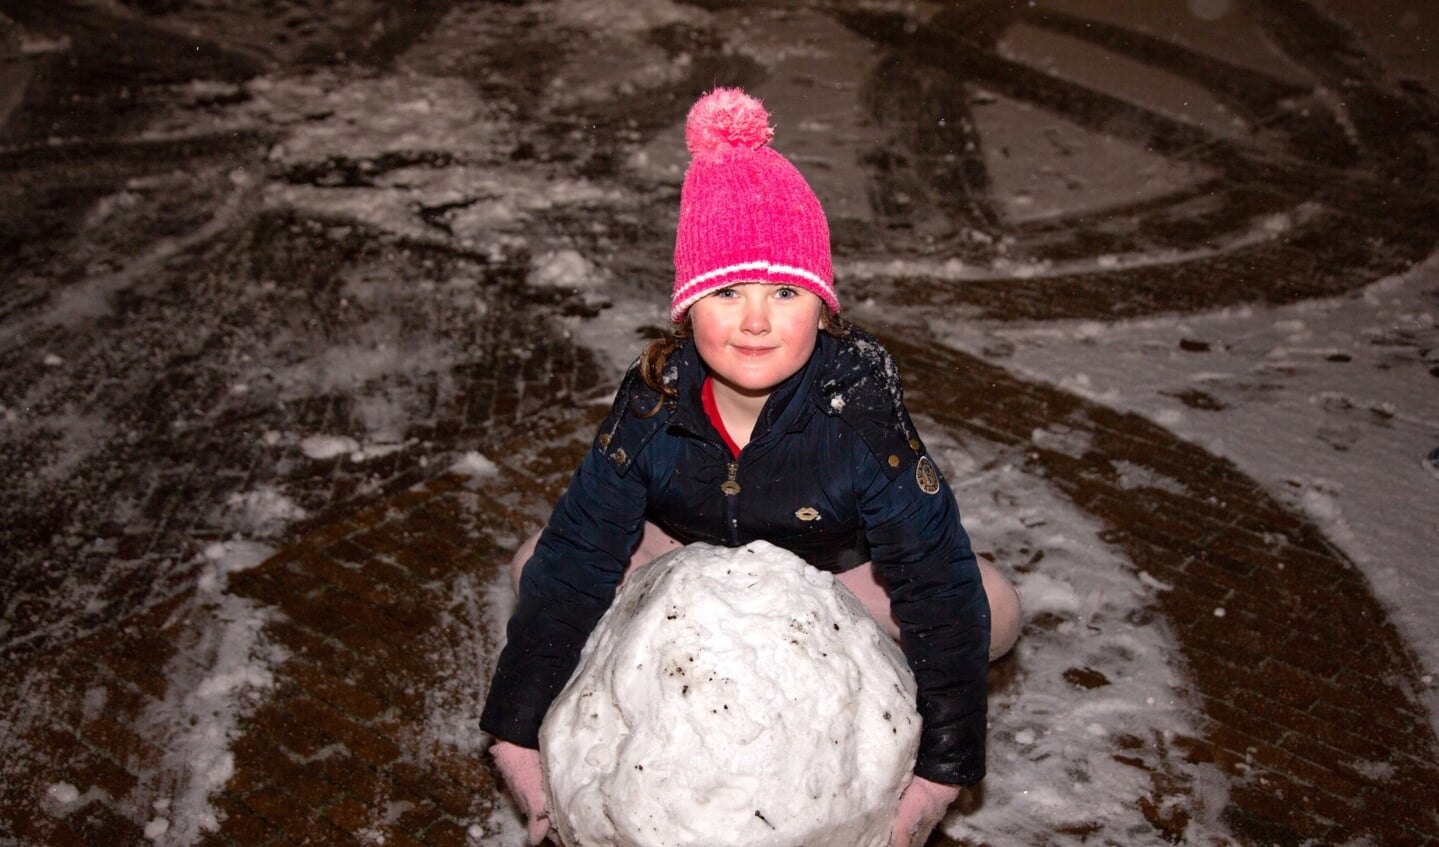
column 101, row 823
column 348, row 814
column 294, row 818
column 358, row 739
column 340, row 694
column 447, row 834
column 241, row 825
column 44, row 830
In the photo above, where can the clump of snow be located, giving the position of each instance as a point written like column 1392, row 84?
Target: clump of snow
column 1133, row 476
column 1062, row 439
column 262, row 513
column 1376, row 771
column 1083, row 385
column 564, row 268
column 328, row 446
column 476, row 465
column 62, row 793
column 736, row 696
column 227, row 557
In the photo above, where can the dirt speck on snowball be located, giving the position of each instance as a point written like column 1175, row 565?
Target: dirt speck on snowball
column 731, row 697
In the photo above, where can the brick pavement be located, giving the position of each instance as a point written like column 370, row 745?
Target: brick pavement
column 360, row 609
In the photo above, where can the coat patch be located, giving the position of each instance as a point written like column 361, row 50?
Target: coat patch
column 926, row 476
column 808, row 513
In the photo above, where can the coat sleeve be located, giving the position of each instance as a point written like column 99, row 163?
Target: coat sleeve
column 565, row 588
column 923, row 555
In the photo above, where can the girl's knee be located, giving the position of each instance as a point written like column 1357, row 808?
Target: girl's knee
column 1005, row 610
column 864, row 584
column 1005, row 617
column 654, row 543
column 522, row 555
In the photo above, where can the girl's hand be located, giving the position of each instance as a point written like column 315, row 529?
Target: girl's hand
column 921, row 807
column 520, row 767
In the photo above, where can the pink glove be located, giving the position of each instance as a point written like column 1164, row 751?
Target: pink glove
column 921, row 806
column 520, row 766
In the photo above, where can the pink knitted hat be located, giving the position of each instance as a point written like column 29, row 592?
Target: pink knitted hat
column 746, row 213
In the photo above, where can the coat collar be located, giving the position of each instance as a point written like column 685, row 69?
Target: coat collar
column 785, row 409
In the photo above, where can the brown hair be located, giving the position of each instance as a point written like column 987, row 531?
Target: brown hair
column 657, row 354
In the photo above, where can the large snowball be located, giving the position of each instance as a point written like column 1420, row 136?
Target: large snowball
column 731, row 697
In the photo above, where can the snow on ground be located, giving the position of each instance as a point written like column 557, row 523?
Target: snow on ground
column 223, row 670
column 468, row 661
column 1096, row 674
column 1331, row 404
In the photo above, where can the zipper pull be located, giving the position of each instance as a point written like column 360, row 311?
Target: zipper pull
column 729, row 486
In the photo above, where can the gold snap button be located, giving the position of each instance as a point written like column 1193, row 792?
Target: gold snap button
column 894, row 461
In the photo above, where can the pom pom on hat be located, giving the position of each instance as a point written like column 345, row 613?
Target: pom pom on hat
column 746, row 213
column 726, row 117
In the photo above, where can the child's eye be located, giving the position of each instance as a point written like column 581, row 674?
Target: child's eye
column 785, row 292
column 724, row 292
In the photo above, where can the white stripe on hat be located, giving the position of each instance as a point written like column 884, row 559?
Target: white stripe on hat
column 696, row 289
column 789, row 270
column 686, row 295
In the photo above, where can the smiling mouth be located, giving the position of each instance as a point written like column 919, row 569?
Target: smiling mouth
column 753, row 351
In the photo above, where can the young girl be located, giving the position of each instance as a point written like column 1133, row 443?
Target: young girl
column 764, row 416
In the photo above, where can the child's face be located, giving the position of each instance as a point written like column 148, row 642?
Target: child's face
column 754, row 336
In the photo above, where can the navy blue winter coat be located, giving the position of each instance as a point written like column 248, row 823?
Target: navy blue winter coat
column 833, row 472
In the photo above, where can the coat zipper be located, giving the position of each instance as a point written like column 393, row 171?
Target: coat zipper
column 731, row 490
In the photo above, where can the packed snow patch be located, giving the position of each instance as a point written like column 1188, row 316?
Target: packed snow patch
column 731, row 696
column 322, row 447
column 63, row 793
column 1328, row 403
column 475, row 464
column 564, row 269
column 264, row 512
column 224, row 669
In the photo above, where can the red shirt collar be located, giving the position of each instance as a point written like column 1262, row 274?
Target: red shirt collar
column 707, row 397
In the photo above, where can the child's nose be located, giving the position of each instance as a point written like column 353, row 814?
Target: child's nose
column 756, row 314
